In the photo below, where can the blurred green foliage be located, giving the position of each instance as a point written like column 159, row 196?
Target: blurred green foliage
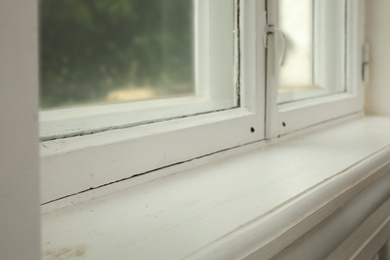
column 91, row 47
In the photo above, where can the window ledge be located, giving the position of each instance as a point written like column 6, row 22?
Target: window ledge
column 261, row 200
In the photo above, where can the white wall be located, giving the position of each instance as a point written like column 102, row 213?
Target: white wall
column 19, row 182
column 378, row 35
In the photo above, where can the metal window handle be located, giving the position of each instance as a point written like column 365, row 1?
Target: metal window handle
column 275, row 30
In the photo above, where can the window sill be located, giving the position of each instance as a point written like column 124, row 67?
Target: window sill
column 227, row 208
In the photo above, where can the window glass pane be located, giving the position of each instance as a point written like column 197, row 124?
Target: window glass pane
column 110, row 51
column 315, row 59
column 160, row 59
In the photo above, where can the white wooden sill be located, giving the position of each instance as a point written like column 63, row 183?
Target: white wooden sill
column 259, row 200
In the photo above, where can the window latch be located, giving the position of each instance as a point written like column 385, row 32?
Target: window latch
column 271, row 29
column 366, row 63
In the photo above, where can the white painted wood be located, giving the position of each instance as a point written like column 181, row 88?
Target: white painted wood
column 367, row 240
column 272, row 75
column 19, row 175
column 260, row 201
column 293, row 116
column 186, row 166
column 76, row 164
column 384, row 253
column 377, row 27
column 321, row 240
column 329, row 39
column 215, row 43
column 63, row 123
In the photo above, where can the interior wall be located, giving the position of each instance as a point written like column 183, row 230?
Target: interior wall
column 378, row 36
column 19, row 176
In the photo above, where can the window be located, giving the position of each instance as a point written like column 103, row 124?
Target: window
column 215, row 88
column 315, row 49
column 98, row 144
column 160, row 60
column 115, row 51
column 321, row 77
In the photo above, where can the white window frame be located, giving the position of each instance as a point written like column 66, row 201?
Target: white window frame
column 76, row 164
column 79, row 163
column 290, row 117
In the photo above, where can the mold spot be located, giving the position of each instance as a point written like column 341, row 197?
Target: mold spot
column 252, row 130
column 284, row 124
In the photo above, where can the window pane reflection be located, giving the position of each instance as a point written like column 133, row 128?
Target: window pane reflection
column 110, row 51
column 315, row 60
